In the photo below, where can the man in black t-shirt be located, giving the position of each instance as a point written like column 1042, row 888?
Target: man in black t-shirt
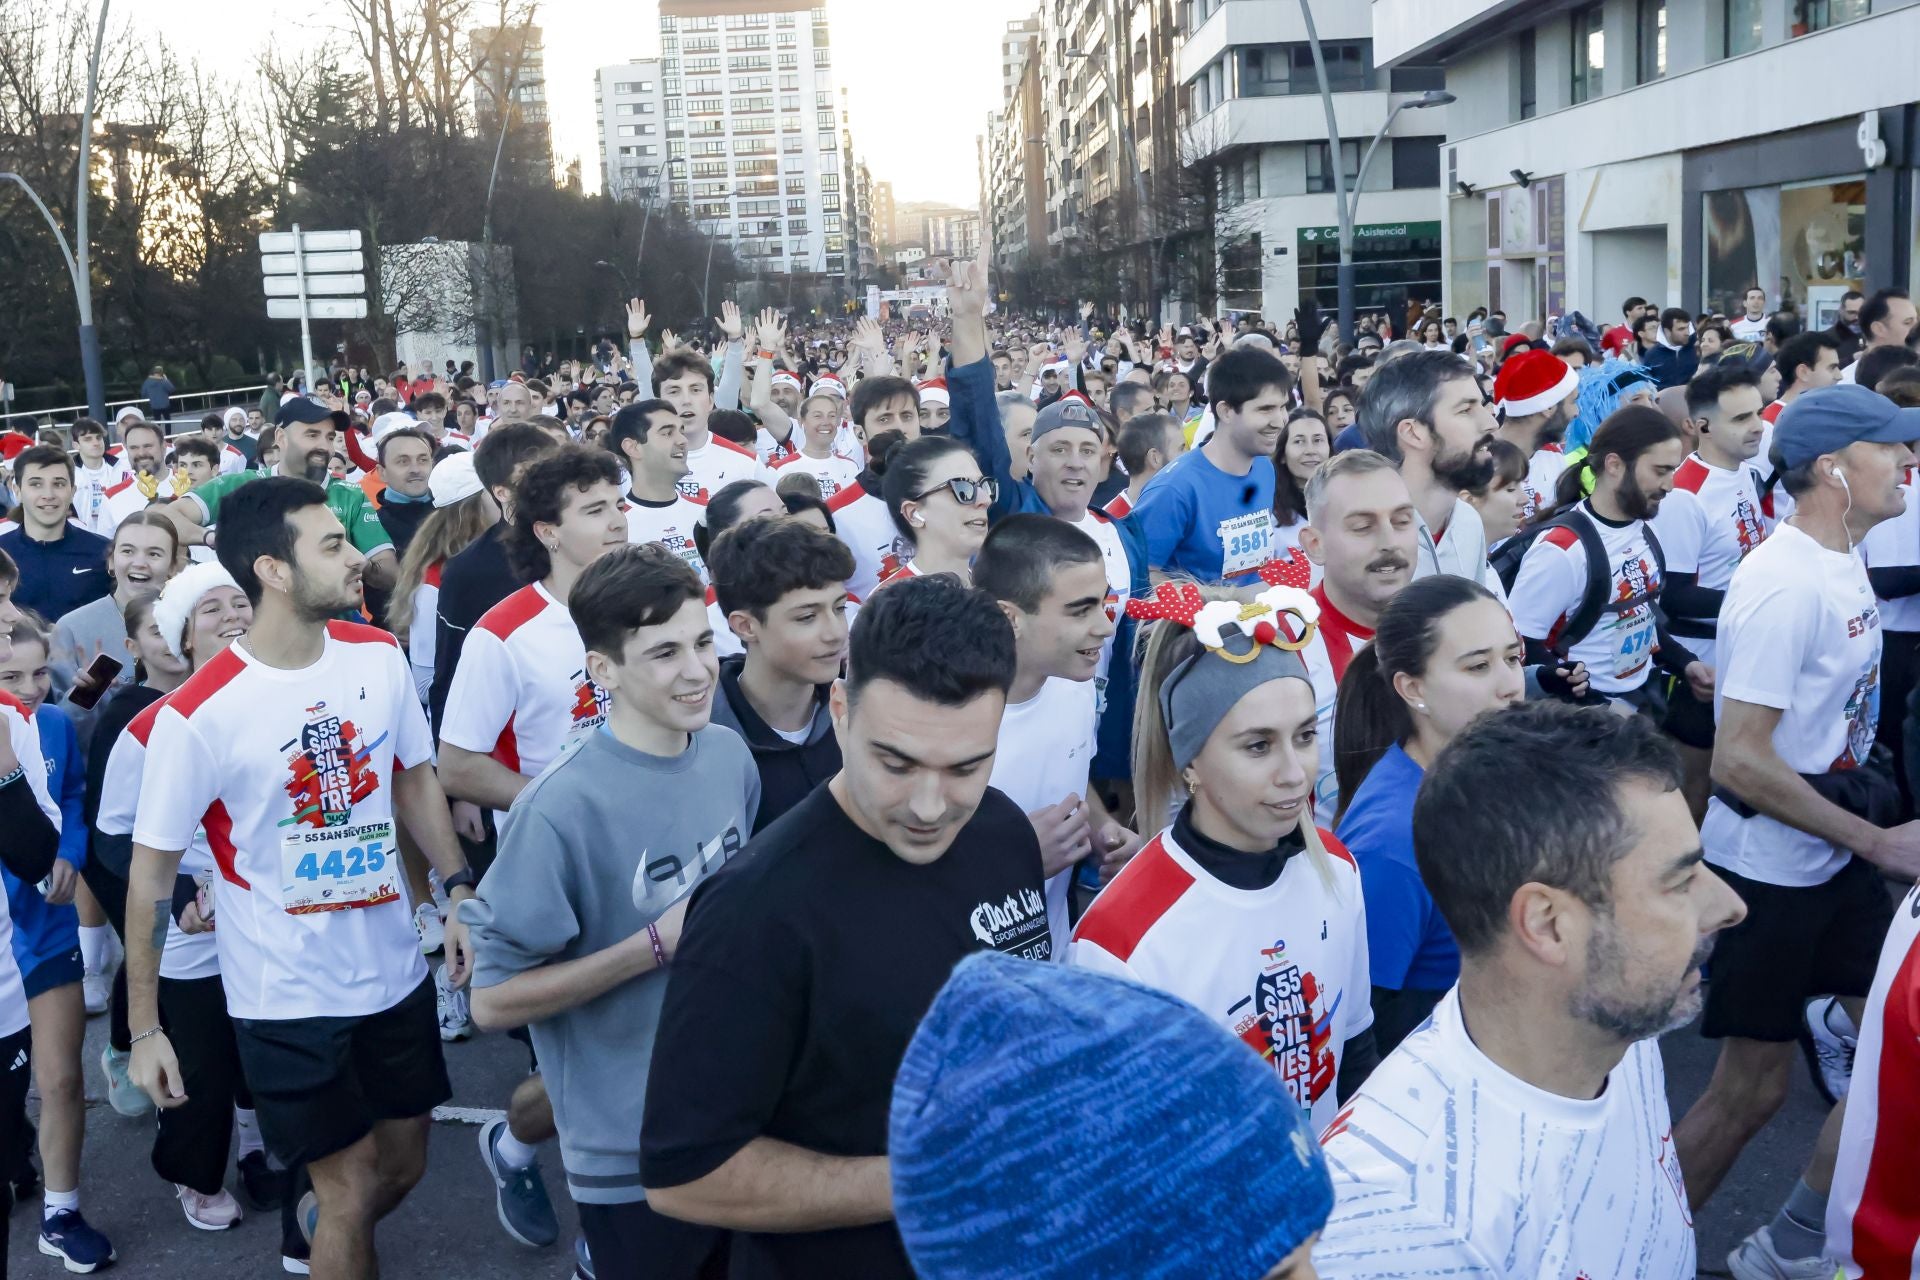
column 807, row 962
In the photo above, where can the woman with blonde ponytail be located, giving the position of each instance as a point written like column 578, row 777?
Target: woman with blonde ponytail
column 1240, row 906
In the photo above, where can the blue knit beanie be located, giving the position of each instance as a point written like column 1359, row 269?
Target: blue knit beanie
column 1054, row 1123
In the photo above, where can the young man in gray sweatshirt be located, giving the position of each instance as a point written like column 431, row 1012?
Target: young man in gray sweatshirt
column 577, row 920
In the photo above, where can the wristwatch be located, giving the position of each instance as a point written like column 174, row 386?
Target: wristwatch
column 461, row 879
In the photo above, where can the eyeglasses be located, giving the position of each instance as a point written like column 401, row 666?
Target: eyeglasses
column 967, row 493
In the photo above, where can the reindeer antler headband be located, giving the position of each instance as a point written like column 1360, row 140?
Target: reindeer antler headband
column 1255, row 643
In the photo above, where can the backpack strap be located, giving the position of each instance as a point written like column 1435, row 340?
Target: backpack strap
column 1593, row 598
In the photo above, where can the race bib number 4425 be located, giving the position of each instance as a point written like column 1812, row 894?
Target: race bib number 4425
column 338, row 868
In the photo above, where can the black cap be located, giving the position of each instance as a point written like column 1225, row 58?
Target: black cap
column 304, row 409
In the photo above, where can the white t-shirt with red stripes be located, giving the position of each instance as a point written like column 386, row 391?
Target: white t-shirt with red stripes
column 1873, row 1213
column 91, row 510
column 521, row 691
column 188, row 955
column 25, row 737
column 1552, row 582
column 1543, row 473
column 832, row 474
column 671, row 525
column 290, row 773
column 717, row 464
column 1706, row 527
column 862, row 521
column 1284, row 968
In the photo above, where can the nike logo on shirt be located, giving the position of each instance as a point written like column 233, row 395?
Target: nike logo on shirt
column 82, row 569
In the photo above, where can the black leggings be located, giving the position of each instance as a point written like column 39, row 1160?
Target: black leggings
column 632, row 1242
column 190, row 1143
column 16, row 1070
column 109, row 888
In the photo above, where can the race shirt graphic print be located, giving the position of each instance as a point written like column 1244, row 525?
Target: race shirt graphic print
column 832, row 474
column 1552, row 581
column 670, row 524
column 717, row 464
column 290, row 775
column 1284, row 968
column 1444, row 1164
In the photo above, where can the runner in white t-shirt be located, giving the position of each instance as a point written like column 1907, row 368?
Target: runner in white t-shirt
column 684, row 380
column 93, row 474
column 649, row 436
column 819, row 426
column 1523, row 1130
column 521, row 691
column 1796, row 708
column 1240, row 906
column 1051, row 580
column 298, row 750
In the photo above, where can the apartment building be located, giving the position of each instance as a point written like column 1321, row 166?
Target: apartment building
column 755, row 134
column 510, row 68
column 631, row 109
column 1679, row 150
column 1256, row 124
column 1013, row 159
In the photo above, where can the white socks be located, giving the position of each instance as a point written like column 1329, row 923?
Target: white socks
column 513, row 1153
column 55, row 1201
column 249, row 1127
column 96, row 947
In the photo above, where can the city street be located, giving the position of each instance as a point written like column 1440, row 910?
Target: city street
column 448, row 1228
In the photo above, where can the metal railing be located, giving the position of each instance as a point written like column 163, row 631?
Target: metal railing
column 63, row 415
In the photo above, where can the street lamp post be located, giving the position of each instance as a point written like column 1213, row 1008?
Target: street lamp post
column 78, row 270
column 659, row 180
column 1348, row 206
column 707, row 277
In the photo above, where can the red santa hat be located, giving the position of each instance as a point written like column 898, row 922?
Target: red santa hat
column 934, row 390
column 782, row 378
column 828, row 384
column 1533, row 382
column 13, row 444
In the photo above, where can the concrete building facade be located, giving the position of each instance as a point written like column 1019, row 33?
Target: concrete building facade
column 631, row 108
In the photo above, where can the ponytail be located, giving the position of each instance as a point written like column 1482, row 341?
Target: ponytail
column 1575, row 483
column 1155, row 782
column 1369, row 718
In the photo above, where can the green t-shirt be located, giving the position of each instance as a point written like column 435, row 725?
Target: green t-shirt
column 349, row 502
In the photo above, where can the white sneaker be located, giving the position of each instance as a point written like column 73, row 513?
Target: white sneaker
column 456, row 1018
column 1755, row 1259
column 426, row 923
column 209, row 1213
column 1829, row 1054
column 97, row 984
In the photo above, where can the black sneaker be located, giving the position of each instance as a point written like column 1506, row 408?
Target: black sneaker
column 260, row 1185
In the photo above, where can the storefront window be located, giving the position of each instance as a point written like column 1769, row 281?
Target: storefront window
column 1804, row 243
column 1393, row 263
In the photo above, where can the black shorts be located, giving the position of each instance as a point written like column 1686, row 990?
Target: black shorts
column 320, row 1084
column 1795, row 944
column 1688, row 721
column 632, row 1242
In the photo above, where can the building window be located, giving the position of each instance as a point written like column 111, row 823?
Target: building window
column 1320, row 173
column 1524, row 54
column 1589, row 53
column 1818, row 15
column 1650, row 53
column 1277, row 70
column 1416, row 79
column 1416, row 163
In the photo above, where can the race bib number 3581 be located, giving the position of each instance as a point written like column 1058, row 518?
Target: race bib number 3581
column 338, row 868
column 1244, row 542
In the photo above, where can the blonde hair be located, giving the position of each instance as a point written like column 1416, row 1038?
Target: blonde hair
column 445, row 533
column 1156, row 782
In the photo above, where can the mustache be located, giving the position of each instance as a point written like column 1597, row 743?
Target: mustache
column 1387, row 560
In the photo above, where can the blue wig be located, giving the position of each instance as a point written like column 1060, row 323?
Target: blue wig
column 1602, row 387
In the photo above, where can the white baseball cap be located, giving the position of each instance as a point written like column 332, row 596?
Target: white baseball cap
column 453, row 479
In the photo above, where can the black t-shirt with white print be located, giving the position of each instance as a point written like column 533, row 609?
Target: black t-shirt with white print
column 805, row 966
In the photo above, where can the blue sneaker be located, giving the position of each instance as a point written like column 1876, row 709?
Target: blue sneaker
column 64, row 1234
column 520, row 1194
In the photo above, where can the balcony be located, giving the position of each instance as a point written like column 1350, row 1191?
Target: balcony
column 1238, row 22
column 1240, row 122
column 1404, row 29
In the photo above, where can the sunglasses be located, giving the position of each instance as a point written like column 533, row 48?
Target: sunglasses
column 967, row 493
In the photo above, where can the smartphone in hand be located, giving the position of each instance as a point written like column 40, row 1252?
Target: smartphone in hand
column 94, row 681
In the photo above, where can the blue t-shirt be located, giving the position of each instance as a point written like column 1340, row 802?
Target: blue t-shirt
column 1408, row 943
column 1205, row 524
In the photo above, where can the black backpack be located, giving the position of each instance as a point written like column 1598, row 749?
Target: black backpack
column 1596, row 601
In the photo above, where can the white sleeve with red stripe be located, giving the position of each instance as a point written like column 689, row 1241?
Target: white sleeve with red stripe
column 120, row 785
column 1681, row 526
column 485, row 691
column 179, row 784
column 25, row 736
column 1552, row 579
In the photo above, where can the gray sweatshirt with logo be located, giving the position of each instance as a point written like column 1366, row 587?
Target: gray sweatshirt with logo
column 595, row 849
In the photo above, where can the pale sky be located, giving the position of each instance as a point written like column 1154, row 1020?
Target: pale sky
column 919, row 88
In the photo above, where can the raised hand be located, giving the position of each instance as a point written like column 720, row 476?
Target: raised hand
column 967, row 293
column 668, row 340
column 1076, row 349
column 729, row 320
column 637, row 318
column 770, row 334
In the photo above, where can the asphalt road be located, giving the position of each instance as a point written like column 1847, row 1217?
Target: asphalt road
column 447, row 1226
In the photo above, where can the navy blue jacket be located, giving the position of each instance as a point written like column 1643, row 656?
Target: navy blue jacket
column 58, row 577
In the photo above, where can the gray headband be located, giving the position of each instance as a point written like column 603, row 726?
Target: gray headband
column 1199, row 693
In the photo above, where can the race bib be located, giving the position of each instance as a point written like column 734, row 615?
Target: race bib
column 1632, row 637
column 1244, row 542
column 337, row 868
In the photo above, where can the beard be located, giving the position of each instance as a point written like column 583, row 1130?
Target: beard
column 1470, row 468
column 1636, row 502
column 1555, row 429
column 316, row 468
column 313, row 603
column 1631, row 1016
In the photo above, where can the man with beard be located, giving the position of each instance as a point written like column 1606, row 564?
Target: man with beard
column 1536, row 394
column 1800, row 650
column 1425, row 413
column 1362, row 532
column 1582, row 926
column 308, row 430
column 1706, row 527
column 1588, row 586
